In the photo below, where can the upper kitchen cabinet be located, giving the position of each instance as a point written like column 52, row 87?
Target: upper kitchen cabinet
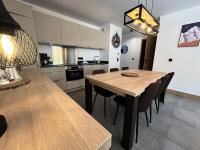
column 48, row 28
column 28, row 25
column 18, row 8
column 99, row 39
column 70, row 33
column 86, row 35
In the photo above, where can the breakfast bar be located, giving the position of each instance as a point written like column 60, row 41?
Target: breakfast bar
column 40, row 116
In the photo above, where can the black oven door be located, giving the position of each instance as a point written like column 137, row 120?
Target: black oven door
column 74, row 74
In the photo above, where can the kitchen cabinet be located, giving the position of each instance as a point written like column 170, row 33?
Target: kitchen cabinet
column 89, row 68
column 57, row 75
column 70, row 33
column 86, row 37
column 18, row 8
column 28, row 25
column 48, row 28
column 99, row 39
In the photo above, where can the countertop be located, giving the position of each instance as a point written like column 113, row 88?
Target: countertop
column 64, row 65
column 41, row 116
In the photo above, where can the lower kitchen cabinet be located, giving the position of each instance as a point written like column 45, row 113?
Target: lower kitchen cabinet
column 89, row 68
column 58, row 76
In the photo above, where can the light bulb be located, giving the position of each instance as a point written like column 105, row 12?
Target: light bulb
column 149, row 30
column 143, row 26
column 7, row 46
column 136, row 22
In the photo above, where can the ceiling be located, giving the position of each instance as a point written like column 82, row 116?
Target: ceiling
column 101, row 12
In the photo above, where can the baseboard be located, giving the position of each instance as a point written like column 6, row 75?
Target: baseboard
column 191, row 96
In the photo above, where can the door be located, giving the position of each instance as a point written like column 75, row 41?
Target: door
column 142, row 53
column 149, row 52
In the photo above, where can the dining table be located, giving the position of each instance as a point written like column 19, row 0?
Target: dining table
column 130, row 87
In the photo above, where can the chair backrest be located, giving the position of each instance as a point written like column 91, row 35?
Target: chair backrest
column 98, row 71
column 171, row 74
column 114, row 69
column 148, row 96
column 125, row 68
column 164, row 81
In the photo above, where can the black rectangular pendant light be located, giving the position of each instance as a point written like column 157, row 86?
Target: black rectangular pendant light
column 141, row 20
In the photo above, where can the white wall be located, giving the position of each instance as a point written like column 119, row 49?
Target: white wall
column 186, row 61
column 87, row 54
column 111, row 54
column 133, row 42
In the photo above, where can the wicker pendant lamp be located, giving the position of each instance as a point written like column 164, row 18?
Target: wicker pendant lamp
column 16, row 49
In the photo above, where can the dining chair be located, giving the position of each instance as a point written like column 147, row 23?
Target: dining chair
column 114, row 69
column 105, row 93
column 125, row 68
column 171, row 75
column 145, row 101
column 163, row 85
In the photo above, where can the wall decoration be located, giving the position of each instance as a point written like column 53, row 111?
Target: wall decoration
column 124, row 49
column 190, row 35
column 116, row 40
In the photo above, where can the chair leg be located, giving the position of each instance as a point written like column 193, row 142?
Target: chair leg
column 116, row 114
column 150, row 112
column 137, row 123
column 94, row 100
column 147, row 119
column 105, row 107
column 156, row 105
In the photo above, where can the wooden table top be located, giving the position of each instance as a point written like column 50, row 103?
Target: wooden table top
column 41, row 116
column 123, row 85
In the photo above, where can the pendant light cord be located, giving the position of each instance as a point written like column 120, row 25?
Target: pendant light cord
column 152, row 7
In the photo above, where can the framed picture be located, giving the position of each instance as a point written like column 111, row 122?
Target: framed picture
column 190, row 35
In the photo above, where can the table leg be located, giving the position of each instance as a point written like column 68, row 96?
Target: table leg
column 3, row 125
column 162, row 97
column 130, row 116
column 88, row 96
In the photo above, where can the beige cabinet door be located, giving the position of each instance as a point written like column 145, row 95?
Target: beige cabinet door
column 70, row 33
column 99, row 39
column 48, row 28
column 28, row 25
column 16, row 7
column 86, row 37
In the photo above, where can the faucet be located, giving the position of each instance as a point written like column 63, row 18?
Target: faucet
column 95, row 60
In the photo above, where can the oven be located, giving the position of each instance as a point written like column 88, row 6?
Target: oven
column 74, row 73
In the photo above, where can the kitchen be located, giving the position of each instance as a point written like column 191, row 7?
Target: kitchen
column 76, row 75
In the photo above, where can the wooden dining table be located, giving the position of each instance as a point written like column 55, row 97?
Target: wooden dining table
column 129, row 87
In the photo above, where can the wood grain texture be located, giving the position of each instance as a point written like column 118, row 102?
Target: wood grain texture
column 41, row 116
column 123, row 85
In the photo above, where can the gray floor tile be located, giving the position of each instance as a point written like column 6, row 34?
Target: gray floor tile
column 176, row 127
column 184, row 135
column 169, row 145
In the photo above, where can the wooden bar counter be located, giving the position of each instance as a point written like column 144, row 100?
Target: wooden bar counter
column 41, row 116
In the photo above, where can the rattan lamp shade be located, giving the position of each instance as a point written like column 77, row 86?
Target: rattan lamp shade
column 16, row 46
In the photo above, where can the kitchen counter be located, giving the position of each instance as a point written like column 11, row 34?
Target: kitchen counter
column 66, row 65
column 41, row 116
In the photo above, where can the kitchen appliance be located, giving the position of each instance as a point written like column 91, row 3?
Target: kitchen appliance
column 44, row 59
column 74, row 73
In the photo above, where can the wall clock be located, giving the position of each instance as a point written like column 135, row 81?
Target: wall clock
column 116, row 40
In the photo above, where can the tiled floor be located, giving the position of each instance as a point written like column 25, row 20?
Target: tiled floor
column 176, row 127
